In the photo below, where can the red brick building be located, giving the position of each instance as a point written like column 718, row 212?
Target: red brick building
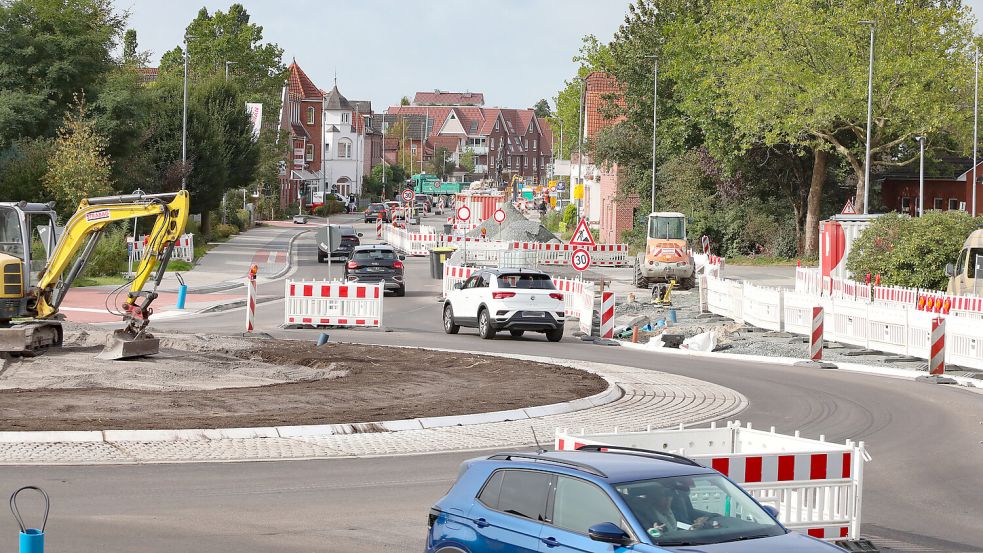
column 444, row 98
column 614, row 211
column 301, row 118
column 899, row 191
column 505, row 141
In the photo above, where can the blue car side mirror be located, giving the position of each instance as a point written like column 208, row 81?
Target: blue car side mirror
column 608, row 532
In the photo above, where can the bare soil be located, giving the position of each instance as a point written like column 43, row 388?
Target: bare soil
column 330, row 384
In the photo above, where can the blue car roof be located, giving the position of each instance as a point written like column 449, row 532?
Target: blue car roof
column 612, row 467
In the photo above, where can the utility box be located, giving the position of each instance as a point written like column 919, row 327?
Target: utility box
column 836, row 237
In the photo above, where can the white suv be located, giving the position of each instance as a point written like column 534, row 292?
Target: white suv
column 516, row 300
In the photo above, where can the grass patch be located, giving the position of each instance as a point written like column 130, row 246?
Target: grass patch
column 85, row 281
column 179, row 265
column 761, row 260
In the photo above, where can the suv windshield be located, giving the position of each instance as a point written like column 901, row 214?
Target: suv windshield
column 667, row 228
column 696, row 510
column 526, row 280
column 374, row 255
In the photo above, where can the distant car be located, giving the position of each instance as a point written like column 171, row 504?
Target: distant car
column 349, row 239
column 375, row 263
column 604, row 499
column 516, row 300
column 427, row 201
column 300, row 219
column 376, row 212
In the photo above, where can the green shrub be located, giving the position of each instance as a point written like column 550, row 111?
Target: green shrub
column 552, row 221
column 330, row 207
column 223, row 231
column 243, row 218
column 570, row 216
column 110, row 256
column 908, row 251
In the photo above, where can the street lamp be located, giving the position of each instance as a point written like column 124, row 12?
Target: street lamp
column 655, row 110
column 921, row 175
column 976, row 104
column 184, row 120
column 870, row 112
column 580, row 145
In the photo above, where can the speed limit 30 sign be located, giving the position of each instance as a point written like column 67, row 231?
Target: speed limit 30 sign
column 408, row 195
column 580, row 259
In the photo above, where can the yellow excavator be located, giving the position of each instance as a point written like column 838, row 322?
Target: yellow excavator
column 39, row 262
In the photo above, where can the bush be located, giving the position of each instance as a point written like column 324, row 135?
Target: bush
column 570, row 216
column 110, row 256
column 330, row 207
column 552, row 221
column 909, row 251
column 243, row 219
column 223, row 231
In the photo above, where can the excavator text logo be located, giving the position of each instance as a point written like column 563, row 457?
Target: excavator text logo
column 97, row 215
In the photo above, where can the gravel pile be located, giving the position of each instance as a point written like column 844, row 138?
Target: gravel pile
column 516, row 228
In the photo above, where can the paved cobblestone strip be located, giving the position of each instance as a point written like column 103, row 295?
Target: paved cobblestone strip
column 650, row 399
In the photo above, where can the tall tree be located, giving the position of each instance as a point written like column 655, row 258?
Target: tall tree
column 542, row 108
column 79, row 167
column 130, row 45
column 49, row 51
column 441, row 164
column 593, row 56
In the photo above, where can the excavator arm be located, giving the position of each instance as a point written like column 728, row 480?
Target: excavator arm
column 82, row 233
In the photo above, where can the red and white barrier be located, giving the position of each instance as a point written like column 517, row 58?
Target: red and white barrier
column 378, row 229
column 816, row 338
column 936, row 362
column 815, row 485
column 251, row 298
column 184, row 248
column 333, row 303
column 454, row 274
column 607, row 314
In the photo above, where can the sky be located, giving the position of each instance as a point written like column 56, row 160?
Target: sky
column 514, row 51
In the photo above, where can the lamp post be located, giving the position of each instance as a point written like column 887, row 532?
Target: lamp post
column 580, row 146
column 655, row 110
column 184, row 120
column 921, row 175
column 976, row 104
column 870, row 112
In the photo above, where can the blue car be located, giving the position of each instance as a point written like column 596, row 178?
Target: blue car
column 607, row 499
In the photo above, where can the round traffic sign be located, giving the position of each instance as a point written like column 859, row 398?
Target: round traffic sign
column 499, row 216
column 408, row 195
column 463, row 213
column 580, row 259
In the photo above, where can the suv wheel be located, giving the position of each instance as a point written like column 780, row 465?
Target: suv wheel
column 449, row 326
column 400, row 292
column 485, row 329
column 554, row 335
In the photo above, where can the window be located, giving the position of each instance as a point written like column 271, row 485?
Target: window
column 346, row 117
column 975, row 260
column 295, row 112
column 578, row 505
column 413, row 149
column 501, row 142
column 525, row 162
column 525, row 143
column 510, row 161
column 938, row 204
column 530, row 281
column 905, row 204
column 344, row 149
column 474, row 127
column 496, row 124
column 667, row 228
column 310, row 116
column 953, row 204
column 533, row 164
column 309, row 152
column 521, row 493
column 535, row 143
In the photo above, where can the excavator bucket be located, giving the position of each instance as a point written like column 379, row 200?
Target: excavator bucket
column 124, row 345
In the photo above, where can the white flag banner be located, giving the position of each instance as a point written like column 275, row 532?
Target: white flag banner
column 255, row 111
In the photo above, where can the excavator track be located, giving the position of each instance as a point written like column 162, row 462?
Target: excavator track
column 30, row 338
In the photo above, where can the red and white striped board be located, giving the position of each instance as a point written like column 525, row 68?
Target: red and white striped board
column 333, row 303
column 816, row 338
column 607, row 314
column 250, row 303
column 936, row 363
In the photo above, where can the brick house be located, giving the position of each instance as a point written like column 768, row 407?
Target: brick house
column 300, row 118
column 899, row 190
column 605, row 205
column 443, row 98
column 504, row 141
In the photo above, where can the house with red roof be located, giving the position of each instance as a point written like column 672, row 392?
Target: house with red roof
column 443, row 98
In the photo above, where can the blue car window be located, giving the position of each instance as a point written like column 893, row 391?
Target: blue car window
column 523, row 493
column 578, row 505
column 493, row 488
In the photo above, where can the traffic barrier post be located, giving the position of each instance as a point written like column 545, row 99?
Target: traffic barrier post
column 607, row 314
column 251, row 298
column 936, row 365
column 816, row 338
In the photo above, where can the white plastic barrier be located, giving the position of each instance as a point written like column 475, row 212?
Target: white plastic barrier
column 797, row 312
column 815, row 485
column 808, row 281
column 411, row 243
column 583, row 308
column 184, row 249
column 725, row 298
column 762, row 307
column 336, row 303
column 602, row 255
column 454, row 274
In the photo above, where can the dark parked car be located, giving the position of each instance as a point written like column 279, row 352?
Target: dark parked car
column 376, row 212
column 349, row 240
column 371, row 264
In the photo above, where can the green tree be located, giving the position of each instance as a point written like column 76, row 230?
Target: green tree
column 466, row 161
column 130, row 45
column 22, row 168
column 404, row 101
column 909, row 251
column 49, row 51
column 441, row 164
column 542, row 108
column 593, row 56
column 78, row 167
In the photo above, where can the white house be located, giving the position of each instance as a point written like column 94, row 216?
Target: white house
column 344, row 144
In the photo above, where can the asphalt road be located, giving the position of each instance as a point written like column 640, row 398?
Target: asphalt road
column 921, row 491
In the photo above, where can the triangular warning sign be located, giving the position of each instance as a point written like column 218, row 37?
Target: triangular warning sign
column 849, row 209
column 582, row 236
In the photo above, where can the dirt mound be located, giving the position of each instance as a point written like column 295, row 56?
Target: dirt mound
column 301, row 384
